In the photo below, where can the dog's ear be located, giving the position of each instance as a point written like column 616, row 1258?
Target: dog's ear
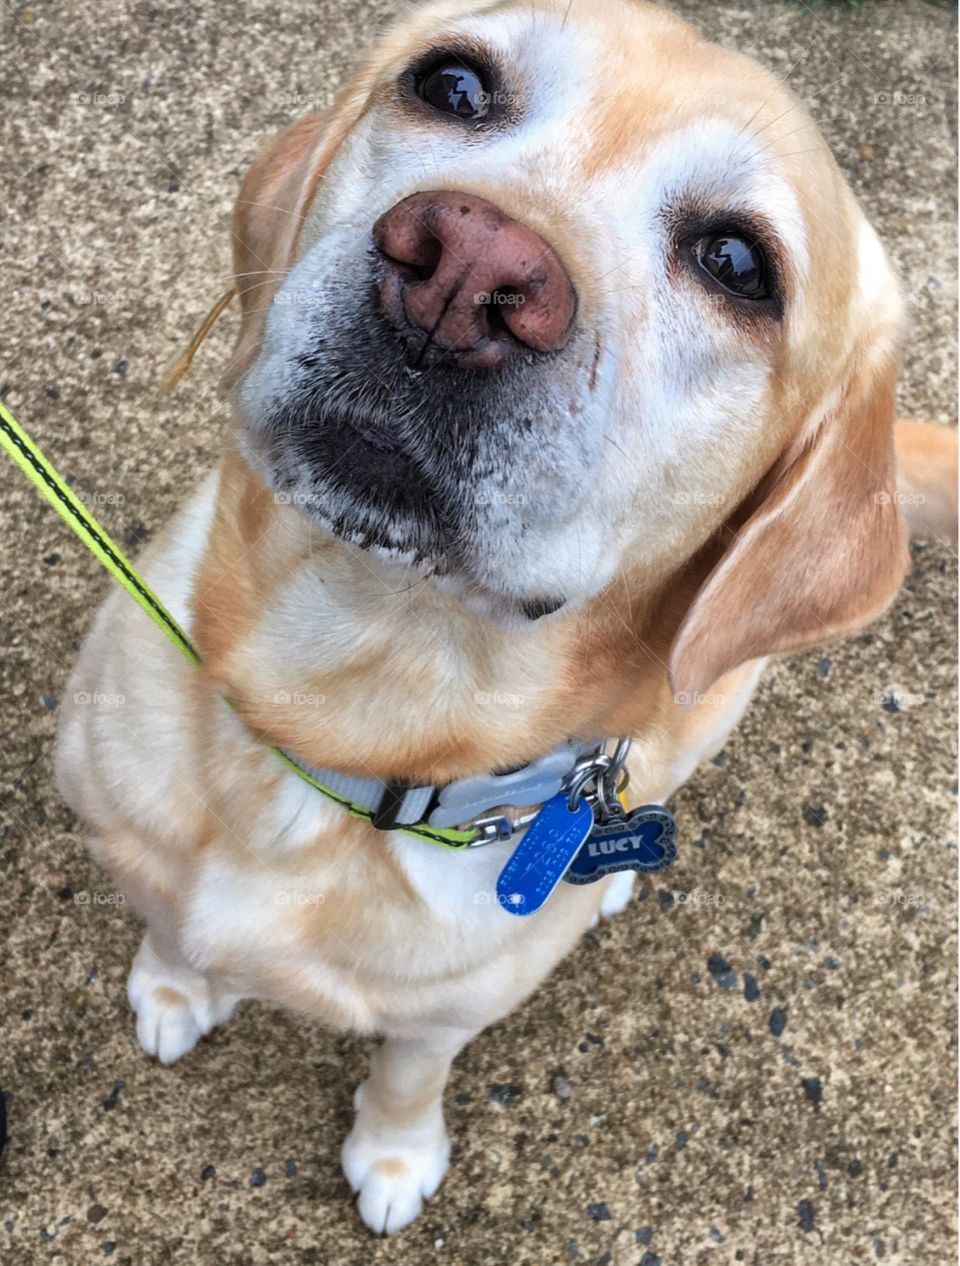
column 821, row 553
column 274, row 199
column 272, row 203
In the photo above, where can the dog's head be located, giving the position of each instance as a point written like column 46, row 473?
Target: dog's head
column 559, row 291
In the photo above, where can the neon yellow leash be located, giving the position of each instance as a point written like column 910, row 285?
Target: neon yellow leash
column 47, row 479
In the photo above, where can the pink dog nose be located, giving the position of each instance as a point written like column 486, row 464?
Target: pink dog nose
column 479, row 285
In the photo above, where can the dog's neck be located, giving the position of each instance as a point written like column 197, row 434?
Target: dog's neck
column 363, row 666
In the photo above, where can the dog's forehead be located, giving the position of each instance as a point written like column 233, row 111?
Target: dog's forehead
column 617, row 92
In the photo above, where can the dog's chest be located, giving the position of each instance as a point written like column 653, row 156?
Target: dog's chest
column 303, row 896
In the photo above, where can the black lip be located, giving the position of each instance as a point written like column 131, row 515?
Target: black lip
column 364, row 485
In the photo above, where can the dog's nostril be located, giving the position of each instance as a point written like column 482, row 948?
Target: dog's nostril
column 412, row 247
column 498, row 304
column 417, row 271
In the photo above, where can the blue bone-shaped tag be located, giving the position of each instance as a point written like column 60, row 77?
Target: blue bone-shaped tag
column 643, row 840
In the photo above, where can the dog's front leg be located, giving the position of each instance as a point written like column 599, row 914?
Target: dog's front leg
column 396, row 1154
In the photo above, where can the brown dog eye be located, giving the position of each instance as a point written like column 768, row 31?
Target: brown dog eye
column 736, row 264
column 454, row 88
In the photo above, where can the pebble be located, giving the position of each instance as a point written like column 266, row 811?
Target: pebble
column 813, row 1089
column 561, row 1087
column 721, row 971
column 114, row 1095
column 504, row 1095
column 815, row 815
column 778, row 1021
column 258, row 1178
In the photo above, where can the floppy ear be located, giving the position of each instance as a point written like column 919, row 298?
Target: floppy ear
column 271, row 205
column 820, row 556
column 274, row 199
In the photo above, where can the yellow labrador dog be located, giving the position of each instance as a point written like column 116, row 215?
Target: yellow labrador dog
column 563, row 397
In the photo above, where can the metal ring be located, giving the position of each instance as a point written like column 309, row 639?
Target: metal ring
column 606, row 772
column 580, row 780
column 614, row 779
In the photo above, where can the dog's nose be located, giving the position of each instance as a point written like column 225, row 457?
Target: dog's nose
column 479, row 285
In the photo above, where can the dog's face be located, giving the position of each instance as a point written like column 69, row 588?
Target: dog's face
column 549, row 294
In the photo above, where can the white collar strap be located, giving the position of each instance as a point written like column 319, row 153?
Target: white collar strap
column 462, row 803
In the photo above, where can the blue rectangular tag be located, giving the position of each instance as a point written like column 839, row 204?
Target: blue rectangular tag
column 538, row 862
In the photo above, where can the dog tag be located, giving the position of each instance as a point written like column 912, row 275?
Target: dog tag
column 643, row 840
column 548, row 846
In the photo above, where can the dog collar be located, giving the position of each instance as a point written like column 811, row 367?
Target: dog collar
column 457, row 815
column 464, row 807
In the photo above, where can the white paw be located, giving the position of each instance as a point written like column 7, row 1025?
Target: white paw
column 617, row 894
column 175, row 1005
column 394, row 1174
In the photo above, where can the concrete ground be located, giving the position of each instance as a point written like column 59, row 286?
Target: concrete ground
column 754, row 1064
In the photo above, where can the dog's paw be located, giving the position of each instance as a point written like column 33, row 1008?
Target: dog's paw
column 617, row 894
column 393, row 1175
column 175, row 1006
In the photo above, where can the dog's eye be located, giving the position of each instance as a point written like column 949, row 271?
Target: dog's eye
column 736, row 264
column 455, row 88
